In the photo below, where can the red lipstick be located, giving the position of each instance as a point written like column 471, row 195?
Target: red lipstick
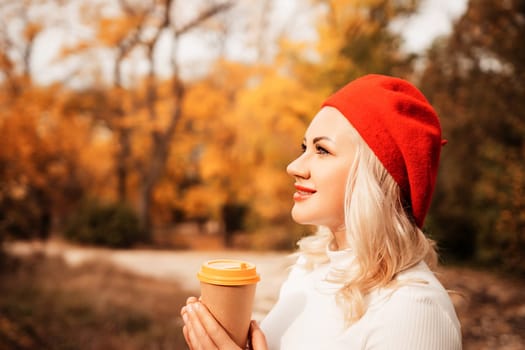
column 302, row 193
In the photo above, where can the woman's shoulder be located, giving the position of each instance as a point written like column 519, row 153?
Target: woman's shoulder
column 419, row 311
column 418, row 306
column 420, row 283
column 415, row 286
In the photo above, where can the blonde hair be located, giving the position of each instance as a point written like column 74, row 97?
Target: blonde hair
column 383, row 237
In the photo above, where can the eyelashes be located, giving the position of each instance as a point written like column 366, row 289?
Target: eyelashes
column 321, row 150
column 318, row 149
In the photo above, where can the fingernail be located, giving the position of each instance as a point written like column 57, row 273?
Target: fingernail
column 197, row 306
column 190, row 308
column 185, row 318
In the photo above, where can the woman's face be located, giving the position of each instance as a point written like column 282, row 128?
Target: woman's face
column 321, row 171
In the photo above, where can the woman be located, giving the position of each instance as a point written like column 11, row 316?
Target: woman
column 364, row 281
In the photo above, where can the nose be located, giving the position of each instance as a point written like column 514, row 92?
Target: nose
column 298, row 168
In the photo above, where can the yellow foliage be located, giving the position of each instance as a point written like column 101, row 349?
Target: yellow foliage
column 240, row 126
column 272, row 189
column 213, row 163
column 31, row 31
column 199, row 201
column 114, row 30
column 202, row 102
column 43, row 149
column 77, row 48
column 250, row 136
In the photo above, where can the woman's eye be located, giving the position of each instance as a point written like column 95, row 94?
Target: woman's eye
column 303, row 148
column 321, row 150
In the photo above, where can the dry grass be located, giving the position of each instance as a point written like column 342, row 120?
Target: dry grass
column 490, row 307
column 45, row 304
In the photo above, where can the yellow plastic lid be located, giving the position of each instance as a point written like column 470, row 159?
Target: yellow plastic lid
column 228, row 272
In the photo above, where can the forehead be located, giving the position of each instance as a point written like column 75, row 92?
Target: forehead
column 331, row 123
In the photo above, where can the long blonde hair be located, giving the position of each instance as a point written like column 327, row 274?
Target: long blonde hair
column 379, row 230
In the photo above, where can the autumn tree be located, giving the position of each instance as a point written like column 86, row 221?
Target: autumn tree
column 150, row 104
column 475, row 79
column 248, row 151
column 248, row 144
column 39, row 158
column 354, row 38
column 272, row 114
column 211, row 144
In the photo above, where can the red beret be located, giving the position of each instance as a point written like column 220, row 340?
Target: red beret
column 401, row 128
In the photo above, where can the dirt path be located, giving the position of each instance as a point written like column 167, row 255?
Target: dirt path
column 181, row 266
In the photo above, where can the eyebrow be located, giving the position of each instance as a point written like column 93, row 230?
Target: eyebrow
column 319, row 138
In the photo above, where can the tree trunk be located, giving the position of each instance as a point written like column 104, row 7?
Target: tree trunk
column 158, row 156
column 161, row 141
column 122, row 156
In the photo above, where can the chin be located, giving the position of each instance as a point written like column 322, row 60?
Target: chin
column 302, row 218
column 297, row 216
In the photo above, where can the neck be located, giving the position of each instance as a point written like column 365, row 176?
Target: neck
column 339, row 242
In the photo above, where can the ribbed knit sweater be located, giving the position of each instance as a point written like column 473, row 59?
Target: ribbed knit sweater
column 419, row 315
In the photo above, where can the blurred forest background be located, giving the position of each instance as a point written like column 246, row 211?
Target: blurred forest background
column 112, row 135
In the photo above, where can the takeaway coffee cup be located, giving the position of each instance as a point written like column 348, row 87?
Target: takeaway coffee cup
column 228, row 290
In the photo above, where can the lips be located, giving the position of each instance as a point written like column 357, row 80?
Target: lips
column 303, row 193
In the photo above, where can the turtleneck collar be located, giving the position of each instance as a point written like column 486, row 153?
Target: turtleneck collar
column 339, row 258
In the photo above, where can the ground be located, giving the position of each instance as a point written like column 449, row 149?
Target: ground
column 147, row 287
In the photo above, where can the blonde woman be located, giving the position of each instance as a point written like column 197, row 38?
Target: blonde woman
column 364, row 281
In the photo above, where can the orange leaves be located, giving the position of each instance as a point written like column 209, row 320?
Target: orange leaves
column 204, row 103
column 44, row 150
column 214, row 163
column 250, row 135
column 6, row 64
column 355, row 39
column 240, row 125
column 272, row 192
column 113, row 30
column 200, row 201
column 68, row 51
column 31, row 31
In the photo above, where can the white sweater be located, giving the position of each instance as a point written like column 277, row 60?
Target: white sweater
column 417, row 316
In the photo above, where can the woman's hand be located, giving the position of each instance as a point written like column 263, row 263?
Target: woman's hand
column 202, row 331
column 257, row 338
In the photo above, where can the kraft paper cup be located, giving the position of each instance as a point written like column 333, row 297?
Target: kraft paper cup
column 228, row 290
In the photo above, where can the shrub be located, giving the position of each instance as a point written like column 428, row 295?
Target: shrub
column 18, row 218
column 113, row 225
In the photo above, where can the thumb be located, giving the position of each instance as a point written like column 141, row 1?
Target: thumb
column 258, row 339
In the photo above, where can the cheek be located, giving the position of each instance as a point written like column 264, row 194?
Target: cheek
column 335, row 195
column 339, row 179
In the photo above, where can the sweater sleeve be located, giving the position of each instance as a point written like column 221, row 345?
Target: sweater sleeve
column 414, row 322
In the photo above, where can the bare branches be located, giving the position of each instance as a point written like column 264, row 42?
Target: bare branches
column 203, row 16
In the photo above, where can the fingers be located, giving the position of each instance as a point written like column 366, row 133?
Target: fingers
column 191, row 300
column 257, row 337
column 194, row 332
column 201, row 330
column 187, row 336
column 185, row 330
column 215, row 331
